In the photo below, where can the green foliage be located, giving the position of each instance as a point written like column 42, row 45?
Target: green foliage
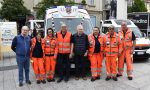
column 44, row 4
column 138, row 6
column 11, row 9
column 83, row 2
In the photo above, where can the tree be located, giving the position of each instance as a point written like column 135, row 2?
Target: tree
column 44, row 4
column 12, row 9
column 138, row 6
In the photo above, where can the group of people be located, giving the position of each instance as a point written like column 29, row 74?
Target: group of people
column 59, row 48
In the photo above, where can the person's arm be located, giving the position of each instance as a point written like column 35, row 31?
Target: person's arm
column 87, row 45
column 72, row 43
column 72, row 46
column 120, row 48
column 14, row 44
column 56, row 50
column 134, row 41
column 104, row 45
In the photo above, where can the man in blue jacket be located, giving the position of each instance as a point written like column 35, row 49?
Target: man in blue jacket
column 21, row 46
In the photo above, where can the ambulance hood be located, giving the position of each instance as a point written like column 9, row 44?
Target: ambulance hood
column 142, row 42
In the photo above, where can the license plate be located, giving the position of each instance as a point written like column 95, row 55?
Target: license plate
column 140, row 53
column 72, row 65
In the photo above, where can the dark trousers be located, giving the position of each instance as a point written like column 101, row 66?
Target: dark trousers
column 63, row 65
column 80, row 64
column 23, row 65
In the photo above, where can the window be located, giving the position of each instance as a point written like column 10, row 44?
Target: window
column 91, row 2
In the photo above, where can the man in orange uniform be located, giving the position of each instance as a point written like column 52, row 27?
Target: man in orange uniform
column 64, row 39
column 37, row 58
column 50, row 51
column 128, row 43
column 96, row 49
column 113, row 48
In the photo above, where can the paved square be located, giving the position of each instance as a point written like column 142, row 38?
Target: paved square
column 9, row 79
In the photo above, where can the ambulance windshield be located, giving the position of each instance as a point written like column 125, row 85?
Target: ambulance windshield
column 71, row 24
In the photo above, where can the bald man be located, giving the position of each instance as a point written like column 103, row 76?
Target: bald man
column 80, row 50
column 128, row 43
column 21, row 46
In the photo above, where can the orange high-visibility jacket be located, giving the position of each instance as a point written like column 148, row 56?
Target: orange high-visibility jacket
column 64, row 45
column 50, row 46
column 33, row 43
column 92, row 43
column 112, row 45
column 127, row 39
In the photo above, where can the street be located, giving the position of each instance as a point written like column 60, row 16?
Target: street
column 141, row 81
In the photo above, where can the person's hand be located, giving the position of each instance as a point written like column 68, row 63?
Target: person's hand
column 70, row 55
column 131, row 52
column 31, row 61
column 55, row 58
column 85, row 54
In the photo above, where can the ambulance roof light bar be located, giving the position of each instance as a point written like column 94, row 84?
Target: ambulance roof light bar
column 79, row 7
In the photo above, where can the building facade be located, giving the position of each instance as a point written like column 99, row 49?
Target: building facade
column 147, row 4
column 94, row 8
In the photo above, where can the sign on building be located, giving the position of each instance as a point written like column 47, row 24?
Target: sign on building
column 8, row 31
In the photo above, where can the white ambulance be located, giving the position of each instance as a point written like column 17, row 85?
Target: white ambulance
column 70, row 15
column 142, row 42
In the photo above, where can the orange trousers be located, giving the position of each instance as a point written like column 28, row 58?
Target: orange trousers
column 50, row 64
column 38, row 67
column 111, row 65
column 96, row 64
column 129, row 60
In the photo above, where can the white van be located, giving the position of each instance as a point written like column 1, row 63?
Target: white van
column 70, row 15
column 142, row 42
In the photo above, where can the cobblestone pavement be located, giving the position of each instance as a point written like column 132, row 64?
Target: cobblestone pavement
column 141, row 81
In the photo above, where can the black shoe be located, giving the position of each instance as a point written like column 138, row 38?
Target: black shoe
column 115, row 78
column 53, row 80
column 130, row 78
column 66, row 79
column 98, row 78
column 59, row 80
column 118, row 75
column 43, row 81
column 38, row 81
column 76, row 78
column 28, row 82
column 108, row 78
column 49, row 80
column 93, row 79
column 84, row 78
column 20, row 84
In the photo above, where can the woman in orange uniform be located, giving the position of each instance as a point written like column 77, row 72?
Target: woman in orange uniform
column 37, row 58
column 50, row 52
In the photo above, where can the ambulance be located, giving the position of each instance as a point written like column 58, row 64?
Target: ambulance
column 142, row 49
column 69, row 15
